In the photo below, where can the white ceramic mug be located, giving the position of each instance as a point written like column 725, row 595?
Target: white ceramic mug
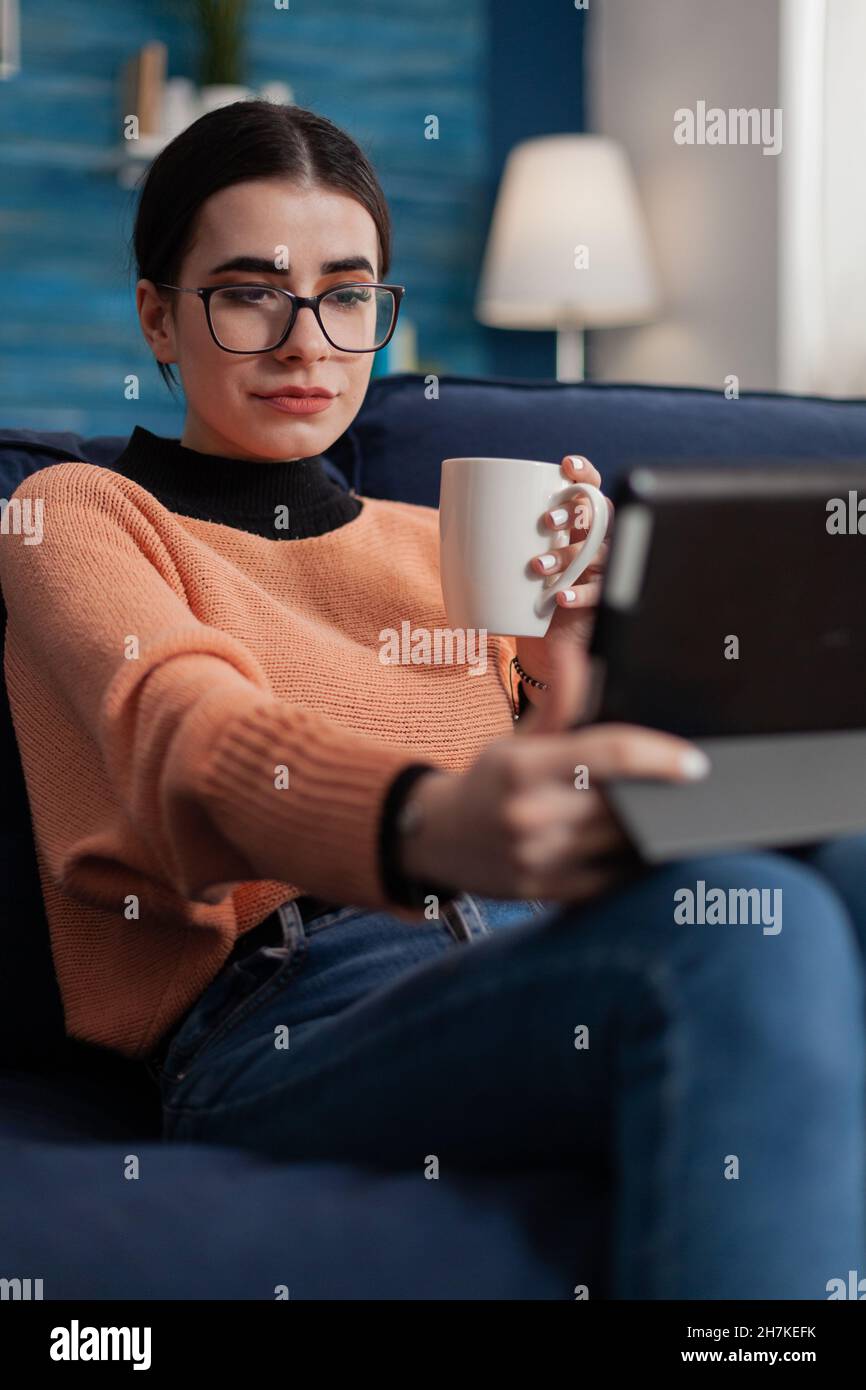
column 491, row 524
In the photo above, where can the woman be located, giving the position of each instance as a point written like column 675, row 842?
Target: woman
column 265, row 851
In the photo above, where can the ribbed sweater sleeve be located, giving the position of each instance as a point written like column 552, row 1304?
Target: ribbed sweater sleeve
column 222, row 781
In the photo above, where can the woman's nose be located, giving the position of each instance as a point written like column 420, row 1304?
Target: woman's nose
column 306, row 338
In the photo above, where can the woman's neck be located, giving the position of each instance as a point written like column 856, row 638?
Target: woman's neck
column 198, row 435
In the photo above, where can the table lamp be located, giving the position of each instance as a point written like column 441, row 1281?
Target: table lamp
column 568, row 248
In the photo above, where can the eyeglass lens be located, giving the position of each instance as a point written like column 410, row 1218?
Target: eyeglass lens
column 253, row 318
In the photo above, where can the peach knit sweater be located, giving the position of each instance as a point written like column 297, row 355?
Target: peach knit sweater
column 206, row 727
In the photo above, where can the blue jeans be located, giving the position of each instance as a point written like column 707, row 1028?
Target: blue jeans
column 709, row 1080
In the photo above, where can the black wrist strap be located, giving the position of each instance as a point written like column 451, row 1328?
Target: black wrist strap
column 401, row 889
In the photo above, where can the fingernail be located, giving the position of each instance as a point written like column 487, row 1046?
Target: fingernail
column 575, row 460
column 546, row 561
column 569, row 595
column 695, row 764
column 559, row 517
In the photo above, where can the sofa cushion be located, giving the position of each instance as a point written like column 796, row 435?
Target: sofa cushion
column 79, row 1093
column 206, row 1222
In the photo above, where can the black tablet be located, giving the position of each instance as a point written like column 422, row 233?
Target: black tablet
column 733, row 612
column 735, row 601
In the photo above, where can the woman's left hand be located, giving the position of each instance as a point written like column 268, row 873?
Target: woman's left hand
column 574, row 610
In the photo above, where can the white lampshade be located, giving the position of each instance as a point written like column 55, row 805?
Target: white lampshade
column 559, row 194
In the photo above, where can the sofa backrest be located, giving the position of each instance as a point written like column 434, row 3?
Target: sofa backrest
column 410, row 423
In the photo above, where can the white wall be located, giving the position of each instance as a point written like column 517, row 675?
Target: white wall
column 712, row 209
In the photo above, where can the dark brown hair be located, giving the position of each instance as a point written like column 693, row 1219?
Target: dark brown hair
column 246, row 140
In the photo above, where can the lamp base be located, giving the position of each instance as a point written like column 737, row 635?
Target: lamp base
column 569, row 354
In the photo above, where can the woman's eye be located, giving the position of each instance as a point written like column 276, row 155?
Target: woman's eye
column 347, row 299
column 251, row 294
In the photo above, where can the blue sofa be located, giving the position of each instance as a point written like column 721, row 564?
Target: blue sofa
column 209, row 1222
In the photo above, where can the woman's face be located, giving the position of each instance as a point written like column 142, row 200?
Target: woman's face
column 305, row 229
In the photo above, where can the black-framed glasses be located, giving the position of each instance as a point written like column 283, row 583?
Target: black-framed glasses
column 354, row 317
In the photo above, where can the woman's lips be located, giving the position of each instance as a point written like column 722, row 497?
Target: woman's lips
column 297, row 405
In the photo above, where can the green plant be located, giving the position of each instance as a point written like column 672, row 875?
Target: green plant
column 223, row 40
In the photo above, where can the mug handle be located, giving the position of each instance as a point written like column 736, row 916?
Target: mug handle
column 593, row 543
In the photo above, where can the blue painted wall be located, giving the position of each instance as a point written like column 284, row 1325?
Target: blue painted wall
column 492, row 72
column 536, row 87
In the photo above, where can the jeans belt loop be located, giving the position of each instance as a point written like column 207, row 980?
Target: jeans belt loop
column 269, row 932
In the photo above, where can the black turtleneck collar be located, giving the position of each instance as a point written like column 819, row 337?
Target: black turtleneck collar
column 238, row 492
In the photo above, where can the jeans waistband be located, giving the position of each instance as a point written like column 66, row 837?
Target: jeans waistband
column 270, row 931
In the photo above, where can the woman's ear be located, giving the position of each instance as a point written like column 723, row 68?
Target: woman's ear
column 157, row 321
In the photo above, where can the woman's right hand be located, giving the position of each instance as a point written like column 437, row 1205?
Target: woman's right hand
column 517, row 824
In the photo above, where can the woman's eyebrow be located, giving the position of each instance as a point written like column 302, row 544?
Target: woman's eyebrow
column 259, row 265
